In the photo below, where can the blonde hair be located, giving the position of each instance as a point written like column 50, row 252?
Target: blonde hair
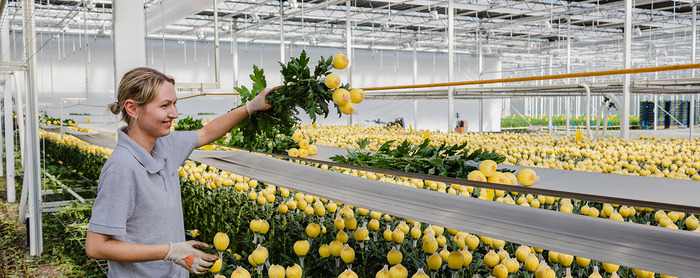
column 140, row 85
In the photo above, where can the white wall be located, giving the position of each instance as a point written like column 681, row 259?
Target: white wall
column 62, row 74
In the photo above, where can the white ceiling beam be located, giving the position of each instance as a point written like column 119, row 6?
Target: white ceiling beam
column 171, row 11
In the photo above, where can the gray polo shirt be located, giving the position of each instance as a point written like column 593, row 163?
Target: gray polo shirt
column 139, row 201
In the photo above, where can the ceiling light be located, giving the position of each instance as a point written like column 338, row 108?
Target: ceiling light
column 225, row 27
column 638, row 31
column 255, row 17
column 293, row 4
column 385, row 25
column 180, row 42
column 200, row 34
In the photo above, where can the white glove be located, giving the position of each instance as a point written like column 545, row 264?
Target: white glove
column 188, row 255
column 259, row 103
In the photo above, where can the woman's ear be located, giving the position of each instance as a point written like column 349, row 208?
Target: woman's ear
column 131, row 108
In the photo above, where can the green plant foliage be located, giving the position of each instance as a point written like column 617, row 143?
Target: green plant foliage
column 442, row 160
column 55, row 121
column 271, row 131
column 559, row 120
column 189, row 123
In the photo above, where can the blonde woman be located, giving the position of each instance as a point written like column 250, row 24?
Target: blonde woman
column 137, row 223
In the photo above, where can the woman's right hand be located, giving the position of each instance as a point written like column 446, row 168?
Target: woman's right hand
column 260, row 102
column 188, row 255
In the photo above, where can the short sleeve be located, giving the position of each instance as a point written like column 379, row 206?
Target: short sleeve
column 181, row 144
column 113, row 205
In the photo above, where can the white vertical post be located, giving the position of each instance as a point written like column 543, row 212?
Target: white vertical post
column 234, row 54
column 625, row 117
column 129, row 38
column 415, row 81
column 693, row 49
column 282, row 54
column 9, row 145
column 20, row 129
column 551, row 99
column 32, row 170
column 348, row 47
column 481, row 76
column 9, row 120
column 567, row 106
column 19, row 93
column 450, row 63
column 656, row 110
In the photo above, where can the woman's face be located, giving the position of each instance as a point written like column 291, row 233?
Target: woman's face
column 157, row 116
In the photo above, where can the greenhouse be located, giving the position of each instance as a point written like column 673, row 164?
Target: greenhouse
column 356, row 138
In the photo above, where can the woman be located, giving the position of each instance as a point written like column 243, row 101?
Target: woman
column 137, row 221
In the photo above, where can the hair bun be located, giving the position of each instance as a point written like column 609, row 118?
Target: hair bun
column 114, row 107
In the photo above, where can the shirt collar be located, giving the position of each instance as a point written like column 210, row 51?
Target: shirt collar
column 153, row 163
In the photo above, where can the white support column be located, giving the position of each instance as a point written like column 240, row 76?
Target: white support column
column 9, row 144
column 625, row 114
column 567, row 100
column 348, row 47
column 551, row 99
column 415, row 81
column 129, row 38
column 32, row 170
column 450, row 64
column 693, row 49
column 234, row 54
column 656, row 111
column 19, row 94
column 282, row 52
column 9, row 120
column 481, row 77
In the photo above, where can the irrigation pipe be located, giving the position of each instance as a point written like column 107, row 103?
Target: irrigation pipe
column 543, row 77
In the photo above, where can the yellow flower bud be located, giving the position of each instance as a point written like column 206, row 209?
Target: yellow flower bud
column 348, row 274
column 324, row 251
column 397, row 236
column 434, row 262
column 301, row 247
column 313, row 230
column 430, row 245
column 221, row 241
column 276, row 271
column 216, row 267
column 455, row 260
column 293, row 271
column 240, row 273
column 394, row 256
column 347, row 254
column 342, row 236
column 398, row 271
column 336, row 247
